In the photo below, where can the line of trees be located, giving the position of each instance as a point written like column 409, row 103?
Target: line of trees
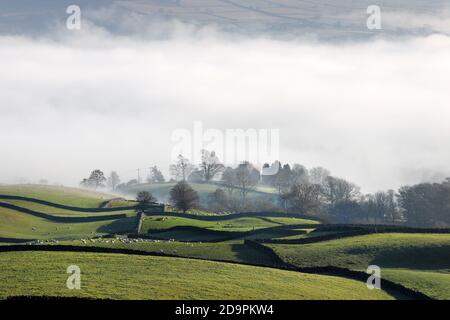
column 208, row 169
column 298, row 189
column 316, row 192
column 97, row 180
column 426, row 204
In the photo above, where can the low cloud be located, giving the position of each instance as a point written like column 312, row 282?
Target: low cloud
column 368, row 111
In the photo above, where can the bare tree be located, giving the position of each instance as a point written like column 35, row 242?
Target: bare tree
column 299, row 175
column 229, row 180
column 385, row 207
column 145, row 198
column 113, row 180
column 155, row 176
column 183, row 197
column 181, row 169
column 96, row 180
column 247, row 177
column 304, row 198
column 218, row 201
column 426, row 204
column 318, row 175
column 336, row 190
column 210, row 165
column 393, row 213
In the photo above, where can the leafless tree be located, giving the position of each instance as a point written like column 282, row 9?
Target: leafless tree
column 247, row 177
column 183, row 197
column 336, row 190
column 155, row 176
column 304, row 198
column 299, row 175
column 229, row 180
column 96, row 180
column 318, row 175
column 145, row 198
column 218, row 201
column 210, row 165
column 181, row 169
column 113, row 180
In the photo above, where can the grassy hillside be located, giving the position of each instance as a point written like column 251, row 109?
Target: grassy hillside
column 161, row 191
column 307, row 233
column 233, row 251
column 58, row 194
column 24, row 226
column 19, row 225
column 136, row 277
column 434, row 283
column 60, row 212
column 238, row 224
column 418, row 261
column 390, row 250
column 224, row 227
column 408, row 258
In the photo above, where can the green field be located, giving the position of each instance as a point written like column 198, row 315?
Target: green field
column 406, row 258
column 161, row 190
column 420, row 262
column 308, row 233
column 62, row 195
column 23, row 226
column 434, row 283
column 19, row 225
column 61, row 212
column 232, row 251
column 118, row 276
column 238, row 224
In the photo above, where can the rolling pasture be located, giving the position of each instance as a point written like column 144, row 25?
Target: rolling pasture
column 418, row 261
column 236, row 224
column 117, row 276
column 161, row 191
column 17, row 225
column 199, row 255
column 26, row 219
column 63, row 195
column 230, row 251
column 223, row 227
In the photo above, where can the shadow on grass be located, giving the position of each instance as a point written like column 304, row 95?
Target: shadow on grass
column 120, row 226
column 421, row 258
column 249, row 255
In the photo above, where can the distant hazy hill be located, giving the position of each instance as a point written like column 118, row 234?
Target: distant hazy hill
column 324, row 17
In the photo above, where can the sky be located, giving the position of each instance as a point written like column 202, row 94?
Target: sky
column 375, row 112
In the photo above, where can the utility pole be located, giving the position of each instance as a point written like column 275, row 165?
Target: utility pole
column 139, row 175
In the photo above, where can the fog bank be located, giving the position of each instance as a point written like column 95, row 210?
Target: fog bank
column 374, row 112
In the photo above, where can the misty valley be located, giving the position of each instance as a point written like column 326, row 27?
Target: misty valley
column 224, row 159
